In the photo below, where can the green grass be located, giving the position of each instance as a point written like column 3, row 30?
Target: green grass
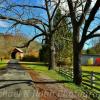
column 54, row 75
column 95, row 69
column 42, row 69
column 91, row 68
column 3, row 64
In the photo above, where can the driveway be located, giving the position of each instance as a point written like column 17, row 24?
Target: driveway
column 15, row 83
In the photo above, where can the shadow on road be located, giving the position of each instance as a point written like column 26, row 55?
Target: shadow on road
column 30, row 82
column 7, row 85
column 16, row 66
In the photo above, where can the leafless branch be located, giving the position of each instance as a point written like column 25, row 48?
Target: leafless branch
column 86, row 8
column 72, row 12
column 93, row 36
column 55, row 9
column 40, row 7
column 24, row 22
column 91, row 17
column 27, row 44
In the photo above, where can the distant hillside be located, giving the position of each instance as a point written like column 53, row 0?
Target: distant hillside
column 8, row 43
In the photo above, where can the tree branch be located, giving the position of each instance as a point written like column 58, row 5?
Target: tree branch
column 91, row 18
column 72, row 12
column 28, row 6
column 93, row 36
column 24, row 22
column 86, row 8
column 57, row 24
column 37, row 21
column 55, row 9
column 27, row 44
column 47, row 10
column 96, row 29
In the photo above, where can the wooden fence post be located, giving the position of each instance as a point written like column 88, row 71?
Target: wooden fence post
column 92, row 79
column 72, row 73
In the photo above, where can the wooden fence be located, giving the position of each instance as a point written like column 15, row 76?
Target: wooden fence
column 66, row 72
column 90, row 79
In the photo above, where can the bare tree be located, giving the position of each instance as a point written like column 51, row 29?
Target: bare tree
column 45, row 26
column 79, row 12
column 82, row 20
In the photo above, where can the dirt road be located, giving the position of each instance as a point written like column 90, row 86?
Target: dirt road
column 15, row 83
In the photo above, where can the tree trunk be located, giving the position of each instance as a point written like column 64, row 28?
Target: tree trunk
column 52, row 63
column 76, row 56
column 76, row 64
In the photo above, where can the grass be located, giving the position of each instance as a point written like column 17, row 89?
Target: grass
column 42, row 69
column 91, row 68
column 3, row 64
column 54, row 75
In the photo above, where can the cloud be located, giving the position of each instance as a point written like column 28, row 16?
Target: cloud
column 3, row 24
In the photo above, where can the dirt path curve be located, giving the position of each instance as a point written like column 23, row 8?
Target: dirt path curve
column 49, row 91
column 15, row 83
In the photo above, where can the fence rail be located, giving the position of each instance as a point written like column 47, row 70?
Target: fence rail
column 90, row 79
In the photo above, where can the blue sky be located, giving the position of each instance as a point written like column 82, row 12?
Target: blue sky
column 24, row 29
column 30, row 31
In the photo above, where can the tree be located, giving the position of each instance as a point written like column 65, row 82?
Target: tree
column 81, row 15
column 78, row 20
column 44, row 25
column 62, row 38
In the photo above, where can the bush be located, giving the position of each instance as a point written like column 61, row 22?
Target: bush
column 30, row 58
column 44, row 54
column 64, row 62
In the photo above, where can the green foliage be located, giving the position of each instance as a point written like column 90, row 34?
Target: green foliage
column 63, row 39
column 43, row 70
column 97, row 48
column 44, row 54
column 3, row 63
column 94, row 50
column 90, row 51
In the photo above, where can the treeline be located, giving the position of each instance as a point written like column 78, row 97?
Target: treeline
column 93, row 50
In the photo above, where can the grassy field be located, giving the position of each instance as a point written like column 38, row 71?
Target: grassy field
column 91, row 68
column 42, row 69
column 3, row 64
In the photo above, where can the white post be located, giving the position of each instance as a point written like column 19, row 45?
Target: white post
column 92, row 79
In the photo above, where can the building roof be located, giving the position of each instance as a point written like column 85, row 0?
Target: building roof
column 18, row 50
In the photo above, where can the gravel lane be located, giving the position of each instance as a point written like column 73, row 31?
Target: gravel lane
column 15, row 83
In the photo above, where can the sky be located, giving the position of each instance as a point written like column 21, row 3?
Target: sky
column 27, row 30
column 30, row 31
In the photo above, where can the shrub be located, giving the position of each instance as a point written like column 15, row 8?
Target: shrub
column 30, row 58
column 44, row 54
